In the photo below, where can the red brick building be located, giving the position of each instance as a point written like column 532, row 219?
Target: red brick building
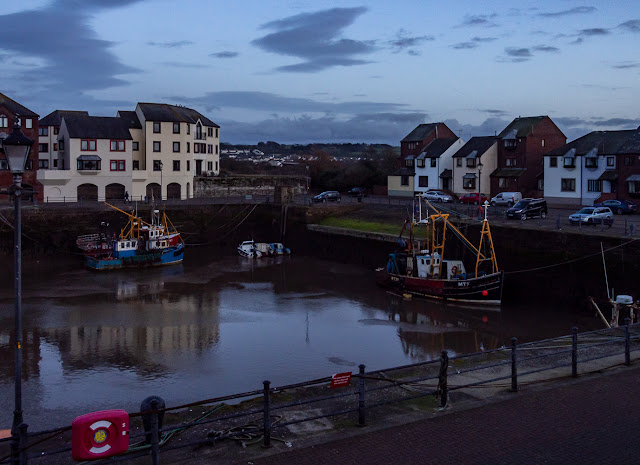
column 521, row 146
column 421, row 136
column 11, row 110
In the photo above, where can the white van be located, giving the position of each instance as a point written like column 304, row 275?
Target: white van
column 506, row 198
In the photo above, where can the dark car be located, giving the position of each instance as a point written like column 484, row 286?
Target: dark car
column 328, row 196
column 528, row 208
column 357, row 192
column 618, row 206
column 474, row 199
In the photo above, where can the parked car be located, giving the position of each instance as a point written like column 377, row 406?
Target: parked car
column 357, row 192
column 327, row 196
column 506, row 198
column 618, row 206
column 474, row 199
column 528, row 208
column 437, row 196
column 592, row 215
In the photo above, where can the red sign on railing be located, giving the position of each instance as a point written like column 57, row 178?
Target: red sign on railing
column 340, row 380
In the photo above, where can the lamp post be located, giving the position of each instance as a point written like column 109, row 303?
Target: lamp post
column 479, row 181
column 16, row 150
column 161, row 182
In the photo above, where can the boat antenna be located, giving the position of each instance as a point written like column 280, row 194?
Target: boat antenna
column 604, row 265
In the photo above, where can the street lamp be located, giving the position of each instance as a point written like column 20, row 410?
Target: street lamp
column 161, row 182
column 16, row 150
column 479, row 181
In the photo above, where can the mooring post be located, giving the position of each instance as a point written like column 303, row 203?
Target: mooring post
column 155, row 433
column 442, row 378
column 627, row 342
column 574, row 352
column 361, row 403
column 514, row 365
column 266, row 396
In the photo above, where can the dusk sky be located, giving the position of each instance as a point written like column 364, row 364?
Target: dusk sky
column 328, row 71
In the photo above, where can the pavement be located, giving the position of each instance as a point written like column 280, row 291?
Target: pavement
column 593, row 419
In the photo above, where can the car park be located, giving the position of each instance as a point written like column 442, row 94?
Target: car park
column 506, row 198
column 618, row 206
column 592, row 215
column 528, row 208
column 327, row 196
column 437, row 196
column 473, row 199
column 357, row 192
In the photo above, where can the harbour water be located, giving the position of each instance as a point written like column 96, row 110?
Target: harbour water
column 219, row 325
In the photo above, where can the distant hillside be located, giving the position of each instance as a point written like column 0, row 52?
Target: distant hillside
column 271, row 148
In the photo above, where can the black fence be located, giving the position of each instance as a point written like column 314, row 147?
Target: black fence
column 265, row 412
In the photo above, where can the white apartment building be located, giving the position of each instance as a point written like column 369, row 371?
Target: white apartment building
column 433, row 166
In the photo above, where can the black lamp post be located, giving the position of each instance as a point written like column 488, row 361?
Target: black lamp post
column 16, row 150
column 479, row 181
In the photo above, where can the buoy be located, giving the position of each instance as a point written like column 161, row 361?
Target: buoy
column 485, row 293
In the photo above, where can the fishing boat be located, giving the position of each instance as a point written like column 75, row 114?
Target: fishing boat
column 139, row 244
column 424, row 270
column 251, row 249
column 248, row 249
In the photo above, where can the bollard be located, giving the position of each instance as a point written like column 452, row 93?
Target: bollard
column 442, row 379
column 22, row 443
column 267, row 414
column 147, row 405
column 155, row 432
column 574, row 352
column 627, row 343
column 558, row 223
column 514, row 366
column 361, row 404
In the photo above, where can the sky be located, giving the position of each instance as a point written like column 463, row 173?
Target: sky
column 330, row 71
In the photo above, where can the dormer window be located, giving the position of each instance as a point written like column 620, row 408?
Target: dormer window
column 569, row 162
column 591, row 162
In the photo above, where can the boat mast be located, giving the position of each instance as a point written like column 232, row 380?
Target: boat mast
column 486, row 231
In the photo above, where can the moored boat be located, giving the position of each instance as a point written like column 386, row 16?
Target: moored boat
column 251, row 249
column 248, row 249
column 425, row 272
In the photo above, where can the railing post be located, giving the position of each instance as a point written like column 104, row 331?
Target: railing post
column 22, row 443
column 155, row 433
column 514, row 366
column 442, row 378
column 361, row 404
column 574, row 352
column 627, row 343
column 266, row 420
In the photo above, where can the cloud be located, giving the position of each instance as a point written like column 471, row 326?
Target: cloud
column 479, row 20
column 621, row 123
column 518, row 54
column 175, row 44
column 632, row 25
column 579, row 10
column 495, row 112
column 225, row 54
column 627, row 65
column 473, row 43
column 177, row 64
column 403, row 41
column 317, row 39
column 546, row 48
column 594, row 31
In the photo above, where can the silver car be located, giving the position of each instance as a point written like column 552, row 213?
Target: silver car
column 437, row 196
column 592, row 215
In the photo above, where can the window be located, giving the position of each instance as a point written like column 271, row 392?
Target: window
column 90, row 164
column 412, row 145
column 188, row 148
column 502, row 182
column 409, row 163
column 117, row 146
column 4, row 121
column 176, row 165
column 176, row 128
column 611, row 162
column 43, row 148
column 176, row 146
column 55, row 146
column 17, row 121
column 61, row 145
column 56, row 130
column 216, row 132
column 434, row 161
column 55, row 163
column 88, row 145
column 634, row 187
column 594, row 185
column 628, row 161
column 509, row 143
column 117, row 165
column 471, row 162
column 458, row 162
column 404, row 180
column 188, row 128
column 156, row 145
column 43, row 164
column 591, row 162
column 543, row 142
column 423, row 181
column 157, row 165
column 28, row 123
column 42, row 131
column 553, row 162
column 209, row 148
column 188, row 165
column 210, row 132
column 199, row 131
column 135, row 164
column 568, row 185
column 420, row 163
column 216, row 166
column 216, row 150
column 135, row 146
column 469, row 183
column 209, row 165
column 510, row 161
column 156, row 127
column 569, row 162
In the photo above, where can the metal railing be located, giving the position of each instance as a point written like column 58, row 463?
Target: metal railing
column 257, row 418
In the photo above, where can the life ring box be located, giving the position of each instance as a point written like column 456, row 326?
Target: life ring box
column 100, row 434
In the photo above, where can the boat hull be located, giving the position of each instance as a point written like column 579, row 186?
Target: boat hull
column 484, row 290
column 169, row 256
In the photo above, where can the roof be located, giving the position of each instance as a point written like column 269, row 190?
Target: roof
column 173, row 113
column 97, row 127
column 606, row 143
column 608, row 175
column 480, row 144
column 131, row 119
column 633, row 178
column 15, row 107
column 522, row 127
column 508, row 172
column 446, row 173
column 437, row 147
column 55, row 117
column 420, row 133
column 404, row 172
column 469, row 176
